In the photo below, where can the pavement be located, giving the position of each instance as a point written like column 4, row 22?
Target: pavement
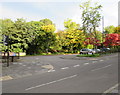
column 25, row 66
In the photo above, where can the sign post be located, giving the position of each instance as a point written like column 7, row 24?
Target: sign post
column 6, row 42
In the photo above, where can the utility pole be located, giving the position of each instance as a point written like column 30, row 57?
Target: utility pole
column 102, row 24
column 102, row 29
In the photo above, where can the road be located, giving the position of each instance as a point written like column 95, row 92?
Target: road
column 96, row 75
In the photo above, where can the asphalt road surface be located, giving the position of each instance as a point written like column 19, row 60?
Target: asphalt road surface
column 69, row 75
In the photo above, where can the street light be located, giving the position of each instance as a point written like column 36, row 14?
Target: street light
column 102, row 29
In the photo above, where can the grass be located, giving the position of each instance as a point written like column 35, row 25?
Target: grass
column 88, row 55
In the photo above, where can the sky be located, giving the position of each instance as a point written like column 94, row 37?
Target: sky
column 57, row 11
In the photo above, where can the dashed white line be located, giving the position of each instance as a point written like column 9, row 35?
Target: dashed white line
column 86, row 63
column 51, row 71
column 94, row 61
column 51, row 82
column 101, row 60
column 65, row 68
column 76, row 65
column 101, row 68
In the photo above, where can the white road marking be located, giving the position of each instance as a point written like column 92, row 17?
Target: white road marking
column 29, row 67
column 65, row 68
column 101, row 68
column 101, row 60
column 51, row 71
column 110, row 89
column 86, row 63
column 51, row 82
column 76, row 65
column 94, row 61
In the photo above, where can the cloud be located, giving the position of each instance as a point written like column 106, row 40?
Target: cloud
column 56, row 11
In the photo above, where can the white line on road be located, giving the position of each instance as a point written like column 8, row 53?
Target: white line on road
column 65, row 68
column 94, row 61
column 76, row 65
column 101, row 60
column 51, row 82
column 51, row 71
column 86, row 63
column 101, row 68
column 110, row 89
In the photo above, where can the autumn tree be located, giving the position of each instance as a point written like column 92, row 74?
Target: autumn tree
column 61, row 40
column 74, row 36
column 112, row 40
column 92, row 41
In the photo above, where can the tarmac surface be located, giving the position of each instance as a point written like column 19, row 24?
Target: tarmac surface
column 94, row 74
column 29, row 65
column 24, row 66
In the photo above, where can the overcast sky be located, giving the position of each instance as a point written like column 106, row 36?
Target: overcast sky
column 56, row 10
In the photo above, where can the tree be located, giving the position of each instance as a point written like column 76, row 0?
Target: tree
column 109, row 29
column 90, row 17
column 43, row 34
column 71, row 25
column 74, row 36
column 117, row 30
column 60, row 40
column 92, row 41
column 21, row 37
column 112, row 40
column 49, row 37
column 7, row 29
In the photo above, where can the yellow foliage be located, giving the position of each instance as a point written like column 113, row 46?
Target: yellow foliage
column 48, row 28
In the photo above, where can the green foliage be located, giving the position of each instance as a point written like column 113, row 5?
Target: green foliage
column 90, row 46
column 43, row 34
column 117, row 29
column 71, row 25
column 109, row 29
column 33, row 37
column 38, row 37
column 90, row 16
column 73, row 36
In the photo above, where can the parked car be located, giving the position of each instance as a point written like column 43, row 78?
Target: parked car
column 87, row 51
column 97, row 50
column 105, row 49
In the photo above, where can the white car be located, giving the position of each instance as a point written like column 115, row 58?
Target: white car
column 87, row 51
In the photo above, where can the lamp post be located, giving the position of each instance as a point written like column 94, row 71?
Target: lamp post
column 102, row 29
